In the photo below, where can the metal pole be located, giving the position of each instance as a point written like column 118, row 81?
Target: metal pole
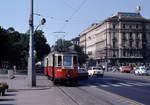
column 106, row 62
column 31, row 61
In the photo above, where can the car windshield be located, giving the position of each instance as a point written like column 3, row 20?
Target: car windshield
column 97, row 68
column 81, row 70
column 143, row 68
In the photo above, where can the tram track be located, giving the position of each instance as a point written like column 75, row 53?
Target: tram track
column 81, row 96
column 68, row 95
column 94, row 96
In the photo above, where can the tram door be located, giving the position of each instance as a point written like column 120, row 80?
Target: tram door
column 53, row 68
column 47, row 66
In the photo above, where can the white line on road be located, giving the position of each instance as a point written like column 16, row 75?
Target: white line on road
column 104, row 85
column 115, row 85
column 136, row 84
column 125, row 84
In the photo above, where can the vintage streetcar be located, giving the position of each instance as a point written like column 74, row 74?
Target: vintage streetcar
column 61, row 67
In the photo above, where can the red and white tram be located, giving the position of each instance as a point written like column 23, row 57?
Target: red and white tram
column 61, row 66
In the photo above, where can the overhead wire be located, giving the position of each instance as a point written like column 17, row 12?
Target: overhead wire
column 71, row 16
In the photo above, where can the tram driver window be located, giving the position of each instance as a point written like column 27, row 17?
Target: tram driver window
column 59, row 61
column 67, row 61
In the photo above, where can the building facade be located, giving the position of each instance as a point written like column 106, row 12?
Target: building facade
column 122, row 39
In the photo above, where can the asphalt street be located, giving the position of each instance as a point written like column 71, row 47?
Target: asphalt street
column 113, row 89
column 132, row 88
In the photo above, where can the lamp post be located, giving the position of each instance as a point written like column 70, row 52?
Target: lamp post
column 31, row 60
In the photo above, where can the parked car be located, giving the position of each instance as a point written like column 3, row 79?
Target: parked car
column 125, row 69
column 141, row 71
column 96, row 71
column 115, row 69
column 82, row 74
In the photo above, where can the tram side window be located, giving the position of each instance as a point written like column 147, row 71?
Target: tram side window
column 67, row 61
column 75, row 60
column 59, row 61
column 56, row 59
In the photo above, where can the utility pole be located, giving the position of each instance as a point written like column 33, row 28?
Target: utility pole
column 31, row 61
column 106, row 58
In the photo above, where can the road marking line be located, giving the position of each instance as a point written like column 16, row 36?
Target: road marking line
column 136, row 84
column 93, row 86
column 145, row 83
column 125, row 84
column 115, row 85
column 104, row 85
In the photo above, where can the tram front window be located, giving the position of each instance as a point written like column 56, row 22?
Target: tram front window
column 67, row 60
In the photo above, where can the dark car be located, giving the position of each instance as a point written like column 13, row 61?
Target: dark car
column 82, row 74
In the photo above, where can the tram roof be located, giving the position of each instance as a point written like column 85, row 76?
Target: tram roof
column 65, row 51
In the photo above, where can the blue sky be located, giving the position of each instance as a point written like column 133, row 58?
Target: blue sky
column 79, row 13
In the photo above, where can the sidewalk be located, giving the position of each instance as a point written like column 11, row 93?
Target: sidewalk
column 20, row 82
column 20, row 94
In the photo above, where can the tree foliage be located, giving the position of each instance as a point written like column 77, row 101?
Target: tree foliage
column 82, row 57
column 41, row 46
column 61, row 43
column 15, row 47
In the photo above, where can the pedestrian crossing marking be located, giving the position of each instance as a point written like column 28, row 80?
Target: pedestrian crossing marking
column 136, row 84
column 129, row 84
column 146, row 84
column 125, row 84
column 93, row 86
column 115, row 85
column 104, row 85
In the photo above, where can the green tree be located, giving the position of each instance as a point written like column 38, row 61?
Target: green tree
column 61, row 43
column 4, row 46
column 15, row 47
column 82, row 57
column 41, row 46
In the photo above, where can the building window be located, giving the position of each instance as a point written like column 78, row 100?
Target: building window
column 123, row 36
column 137, row 44
column 114, row 55
column 130, row 44
column 114, row 26
column 123, row 26
column 130, row 35
column 89, row 52
column 130, row 26
column 114, row 44
column 137, row 26
column 131, row 53
column 124, row 53
column 114, row 34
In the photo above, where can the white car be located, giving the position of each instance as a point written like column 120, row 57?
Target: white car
column 97, row 71
column 141, row 71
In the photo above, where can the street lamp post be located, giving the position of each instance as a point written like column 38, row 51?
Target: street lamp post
column 31, row 61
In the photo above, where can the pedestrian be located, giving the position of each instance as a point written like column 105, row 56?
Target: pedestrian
column 14, row 69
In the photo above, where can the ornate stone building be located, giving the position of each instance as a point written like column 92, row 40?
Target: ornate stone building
column 122, row 39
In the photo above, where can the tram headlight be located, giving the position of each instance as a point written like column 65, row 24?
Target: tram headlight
column 68, row 75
